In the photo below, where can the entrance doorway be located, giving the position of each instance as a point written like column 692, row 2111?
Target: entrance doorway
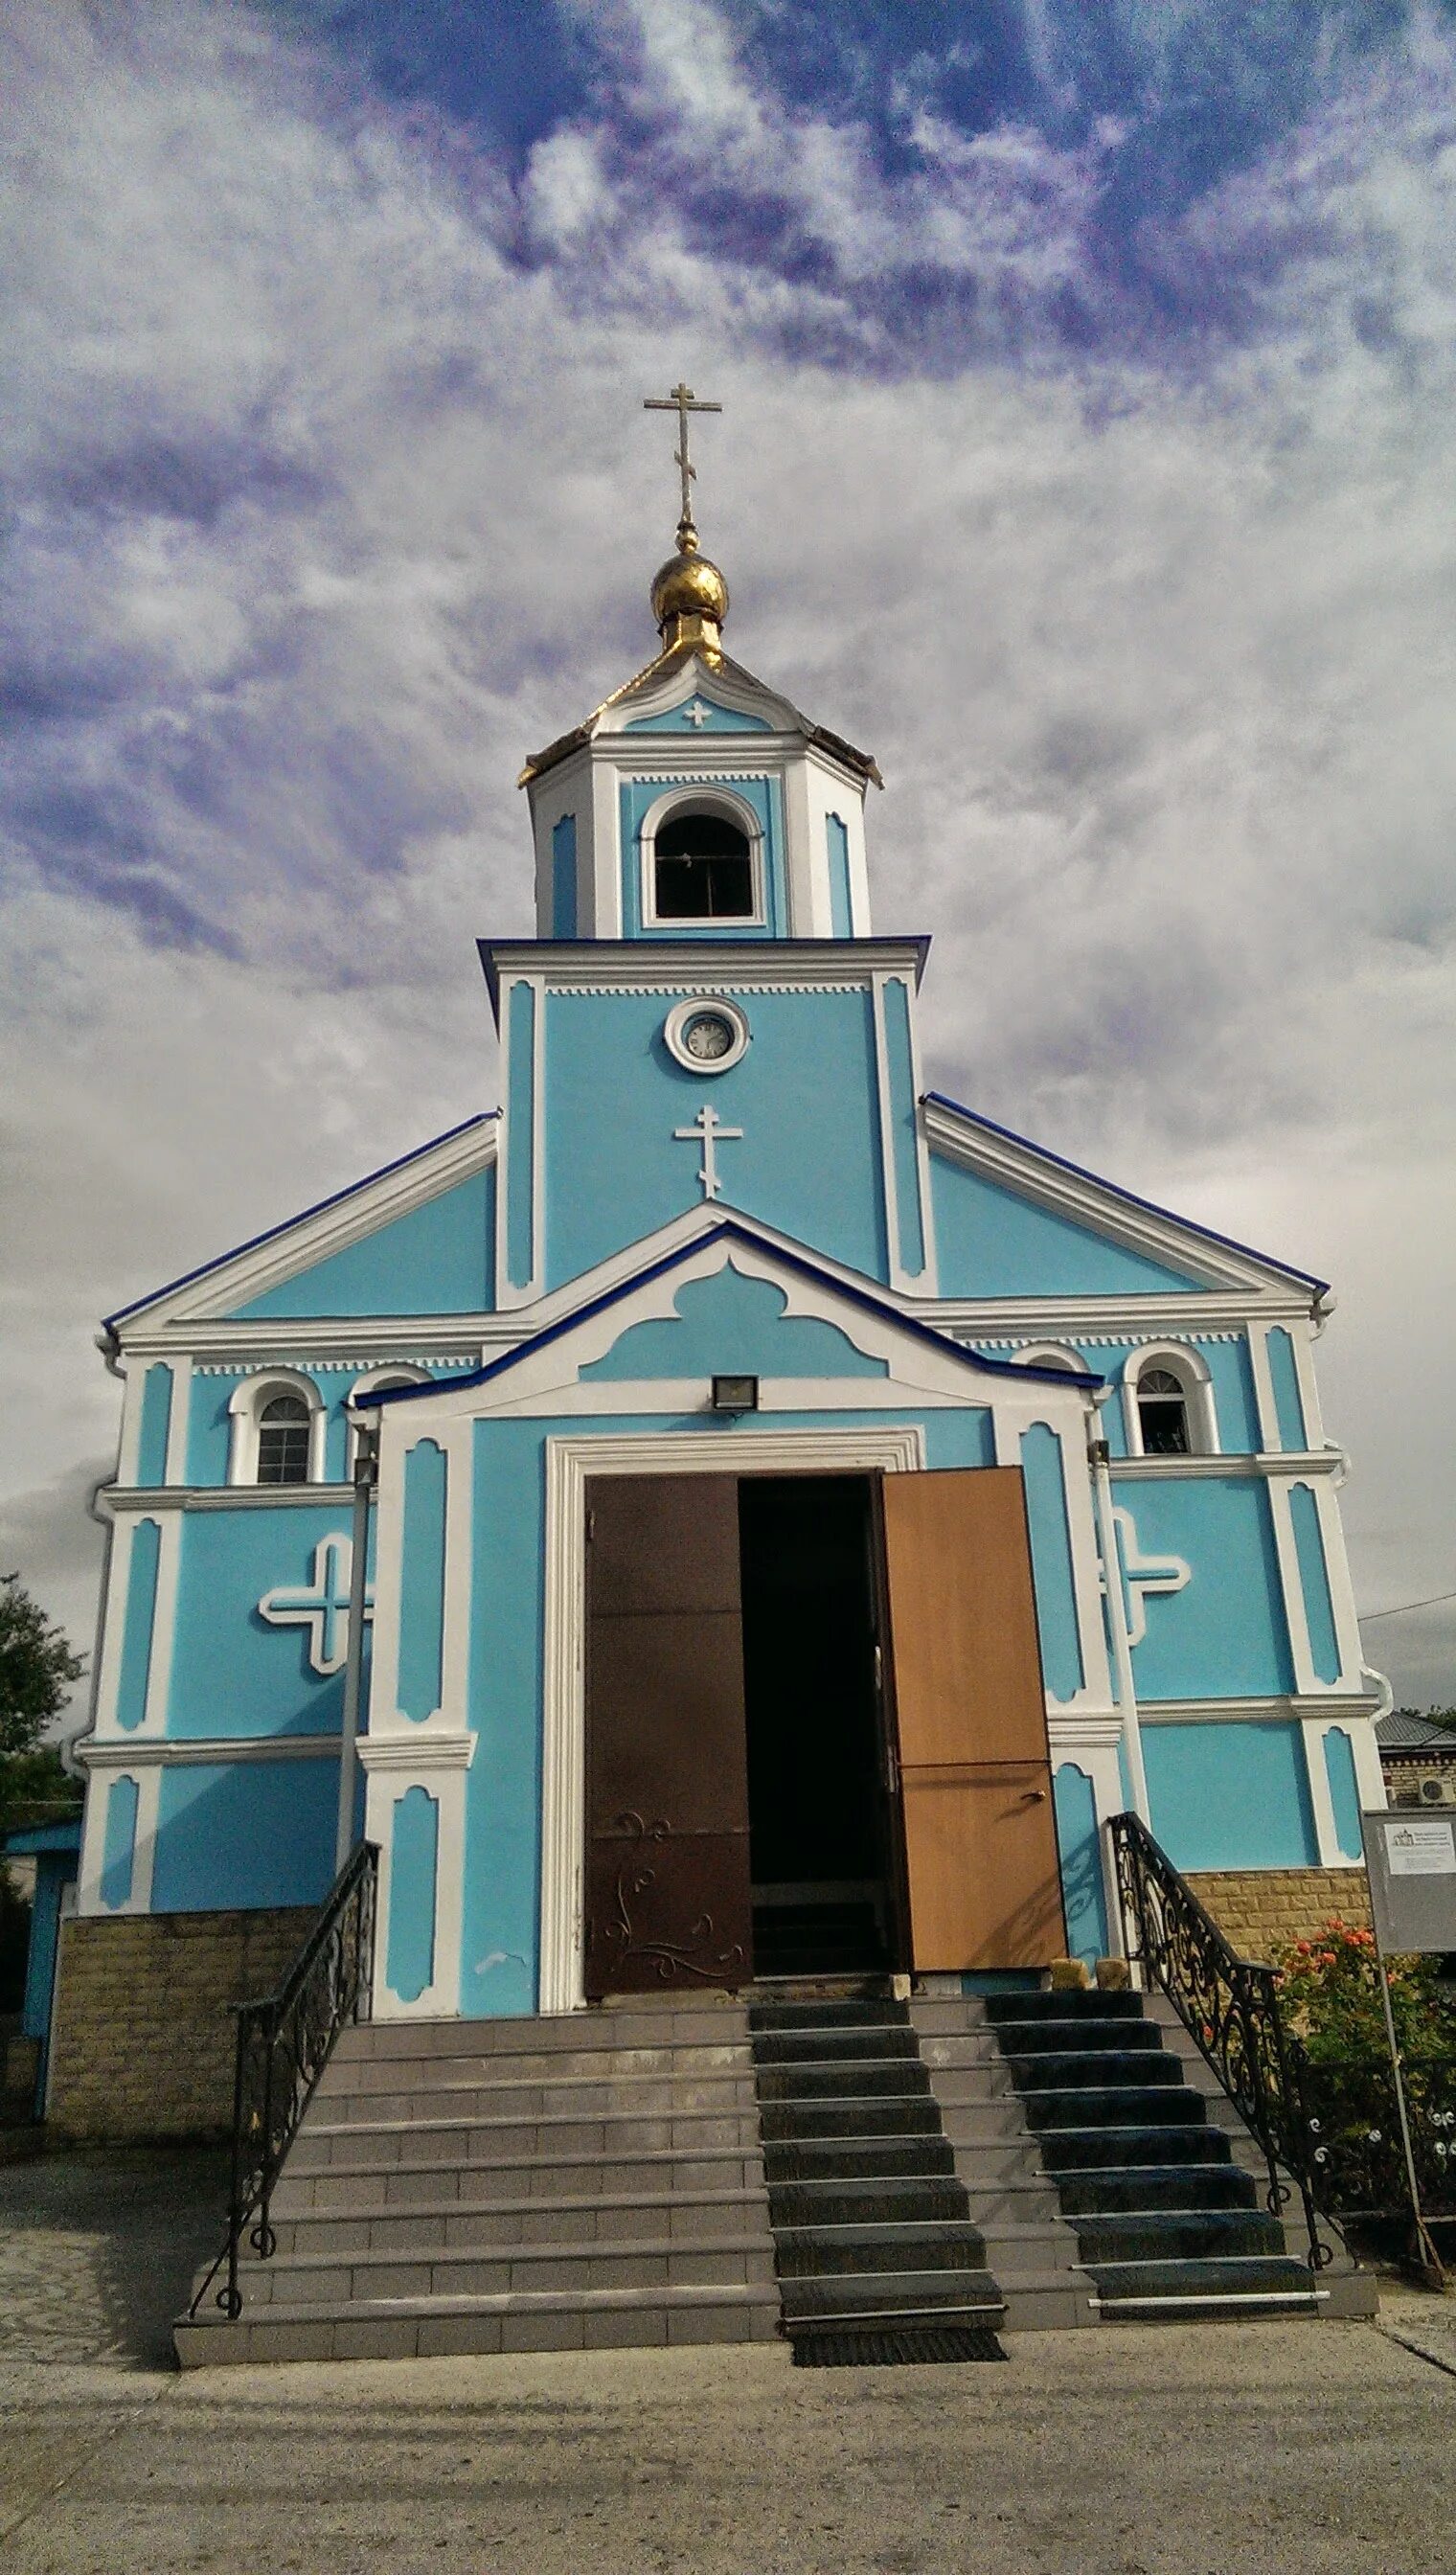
column 815, row 1730
column 821, row 1840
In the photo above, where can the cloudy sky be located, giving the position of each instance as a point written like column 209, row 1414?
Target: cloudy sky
column 1087, row 453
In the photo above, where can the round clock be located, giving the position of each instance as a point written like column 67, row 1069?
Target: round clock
column 705, row 1035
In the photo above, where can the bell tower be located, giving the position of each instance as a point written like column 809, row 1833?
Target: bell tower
column 695, row 803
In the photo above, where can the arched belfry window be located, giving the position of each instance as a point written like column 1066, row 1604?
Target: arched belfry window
column 1168, row 1402
column 703, row 869
column 284, row 1440
column 1163, row 1415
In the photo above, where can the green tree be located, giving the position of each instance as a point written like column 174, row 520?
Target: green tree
column 37, row 1668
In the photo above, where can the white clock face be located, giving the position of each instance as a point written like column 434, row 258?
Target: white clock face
column 708, row 1036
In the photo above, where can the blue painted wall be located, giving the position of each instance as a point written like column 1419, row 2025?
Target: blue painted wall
column 413, row 1868
column 717, row 718
column 232, row 1672
column 422, row 1584
column 1230, row 1795
column 842, row 910
column 1081, row 1864
column 155, row 1422
column 137, row 1628
column 1339, row 1766
column 119, row 1843
column 764, row 795
column 729, row 1326
column 803, row 1094
column 1052, row 1561
column 563, row 878
column 1324, row 1651
column 1288, row 1402
column 989, row 1242
column 1224, row 1636
column 435, row 1260
column 239, row 1834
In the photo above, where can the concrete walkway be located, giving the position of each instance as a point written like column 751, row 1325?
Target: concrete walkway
column 1173, row 2450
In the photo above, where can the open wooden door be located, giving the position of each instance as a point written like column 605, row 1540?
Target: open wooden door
column 976, row 1769
column 667, row 1887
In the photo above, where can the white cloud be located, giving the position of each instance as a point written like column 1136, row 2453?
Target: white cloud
column 328, row 502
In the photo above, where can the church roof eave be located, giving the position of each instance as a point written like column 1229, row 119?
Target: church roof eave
column 860, row 763
column 664, row 961
column 1321, row 1298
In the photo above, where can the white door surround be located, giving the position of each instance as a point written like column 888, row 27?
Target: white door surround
column 569, row 1463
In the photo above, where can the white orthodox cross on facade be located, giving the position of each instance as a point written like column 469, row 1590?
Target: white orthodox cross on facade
column 1144, row 1574
column 320, row 1605
column 696, row 715
column 708, row 1130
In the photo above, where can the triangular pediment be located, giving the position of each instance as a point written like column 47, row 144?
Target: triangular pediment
column 411, row 1238
column 1014, row 1220
column 719, row 1294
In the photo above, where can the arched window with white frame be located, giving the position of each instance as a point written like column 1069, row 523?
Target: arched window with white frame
column 1052, row 1355
column 279, row 1423
column 701, row 861
column 1168, row 1404
column 376, row 1382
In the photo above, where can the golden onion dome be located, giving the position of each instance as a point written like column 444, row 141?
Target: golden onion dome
column 688, row 588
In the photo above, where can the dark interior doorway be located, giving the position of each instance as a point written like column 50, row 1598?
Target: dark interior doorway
column 819, row 1841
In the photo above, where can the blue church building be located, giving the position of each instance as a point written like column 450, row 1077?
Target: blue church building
column 806, row 1509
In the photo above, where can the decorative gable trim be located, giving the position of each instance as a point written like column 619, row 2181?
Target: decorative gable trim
column 334, row 1225
column 1065, row 1189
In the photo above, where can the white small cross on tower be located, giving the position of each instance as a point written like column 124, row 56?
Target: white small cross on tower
column 708, row 1130
column 696, row 715
column 320, row 1605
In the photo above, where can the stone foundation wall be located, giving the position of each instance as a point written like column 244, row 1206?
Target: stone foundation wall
column 1260, row 1909
column 142, row 2044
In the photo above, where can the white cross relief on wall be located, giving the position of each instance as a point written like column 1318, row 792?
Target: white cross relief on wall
column 1144, row 1574
column 708, row 1130
column 320, row 1605
column 696, row 714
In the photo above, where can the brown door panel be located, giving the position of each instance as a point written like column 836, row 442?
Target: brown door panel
column 665, row 1908
column 663, row 1543
column 967, row 1664
column 666, row 1700
column 986, row 1887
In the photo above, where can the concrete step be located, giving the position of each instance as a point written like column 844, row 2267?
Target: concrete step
column 570, row 2096
column 479, row 2139
column 540, row 2181
column 502, row 2270
column 450, row 2225
column 468, row 2067
column 643, row 2022
column 438, row 2328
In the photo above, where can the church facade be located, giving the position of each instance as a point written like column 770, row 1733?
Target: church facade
column 805, row 1510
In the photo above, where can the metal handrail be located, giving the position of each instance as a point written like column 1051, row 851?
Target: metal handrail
column 284, row 2042
column 1230, row 2007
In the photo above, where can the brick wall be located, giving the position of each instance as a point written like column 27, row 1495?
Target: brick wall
column 1259, row 1909
column 142, row 2044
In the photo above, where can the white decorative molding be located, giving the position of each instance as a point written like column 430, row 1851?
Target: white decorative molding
column 253, row 1392
column 1086, row 1341
column 1274, row 1470
column 1144, row 1574
column 569, row 1463
column 319, row 1605
column 1357, row 1708
column 708, row 793
column 182, row 1751
column 399, row 1753
column 707, row 990
column 685, row 1014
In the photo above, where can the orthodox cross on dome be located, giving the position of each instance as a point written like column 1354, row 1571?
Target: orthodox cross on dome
column 320, row 1605
column 683, row 399
column 708, row 1130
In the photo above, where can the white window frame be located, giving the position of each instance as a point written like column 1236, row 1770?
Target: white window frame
column 1191, row 1372
column 394, row 1372
column 246, row 1407
column 707, row 799
column 1052, row 1355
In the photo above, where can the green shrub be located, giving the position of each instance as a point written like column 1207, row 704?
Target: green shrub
column 1330, row 1993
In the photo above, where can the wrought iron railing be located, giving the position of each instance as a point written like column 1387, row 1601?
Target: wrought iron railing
column 284, row 2043
column 1230, row 2007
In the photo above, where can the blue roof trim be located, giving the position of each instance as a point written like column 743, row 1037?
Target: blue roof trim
column 483, row 1117
column 1186, row 1224
column 730, row 1228
column 34, row 1839
column 560, row 951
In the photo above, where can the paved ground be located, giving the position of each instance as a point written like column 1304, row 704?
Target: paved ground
column 1179, row 2450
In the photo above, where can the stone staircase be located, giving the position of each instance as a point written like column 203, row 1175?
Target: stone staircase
column 821, row 2165
column 517, row 2185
